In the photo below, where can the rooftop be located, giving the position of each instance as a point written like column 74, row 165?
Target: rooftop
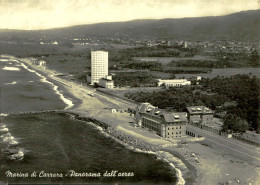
column 174, row 117
column 199, row 109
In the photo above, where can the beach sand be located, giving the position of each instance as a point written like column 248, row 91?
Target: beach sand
column 213, row 167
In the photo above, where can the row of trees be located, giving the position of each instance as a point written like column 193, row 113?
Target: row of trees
column 153, row 66
column 203, row 64
column 136, row 79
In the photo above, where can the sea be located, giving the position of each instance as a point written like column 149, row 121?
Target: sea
column 59, row 149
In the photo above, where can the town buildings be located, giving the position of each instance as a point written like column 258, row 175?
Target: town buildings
column 200, row 114
column 99, row 70
column 166, row 124
column 174, row 82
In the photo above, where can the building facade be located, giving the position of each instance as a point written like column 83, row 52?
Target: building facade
column 174, row 82
column 99, row 66
column 166, row 124
column 106, row 82
column 199, row 114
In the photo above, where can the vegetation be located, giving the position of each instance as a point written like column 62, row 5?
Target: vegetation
column 234, row 123
column 153, row 66
column 178, row 98
column 137, row 79
column 254, row 59
column 243, row 89
column 202, row 63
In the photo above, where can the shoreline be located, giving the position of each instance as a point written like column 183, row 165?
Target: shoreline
column 205, row 173
column 178, row 172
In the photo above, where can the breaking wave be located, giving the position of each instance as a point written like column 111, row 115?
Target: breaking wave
column 68, row 102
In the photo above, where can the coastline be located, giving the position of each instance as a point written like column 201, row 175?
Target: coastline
column 205, row 173
column 73, row 107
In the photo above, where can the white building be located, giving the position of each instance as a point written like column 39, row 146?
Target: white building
column 106, row 82
column 174, row 82
column 99, row 66
column 42, row 63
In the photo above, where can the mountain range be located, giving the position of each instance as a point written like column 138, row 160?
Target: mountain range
column 238, row 26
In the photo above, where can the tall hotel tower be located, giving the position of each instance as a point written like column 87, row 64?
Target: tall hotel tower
column 99, row 66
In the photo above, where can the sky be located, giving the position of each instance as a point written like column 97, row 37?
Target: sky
column 45, row 14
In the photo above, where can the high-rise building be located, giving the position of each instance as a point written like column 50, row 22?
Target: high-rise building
column 99, row 66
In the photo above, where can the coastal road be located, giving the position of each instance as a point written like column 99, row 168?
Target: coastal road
column 230, row 146
column 123, row 104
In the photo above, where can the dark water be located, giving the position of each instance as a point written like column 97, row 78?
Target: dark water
column 56, row 144
column 23, row 91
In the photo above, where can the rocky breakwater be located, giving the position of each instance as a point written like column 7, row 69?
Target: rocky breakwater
column 138, row 145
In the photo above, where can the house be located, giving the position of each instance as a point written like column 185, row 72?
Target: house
column 199, row 114
column 166, row 124
column 174, row 82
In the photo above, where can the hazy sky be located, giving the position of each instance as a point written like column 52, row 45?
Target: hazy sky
column 42, row 14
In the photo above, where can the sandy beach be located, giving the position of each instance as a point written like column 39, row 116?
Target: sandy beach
column 207, row 166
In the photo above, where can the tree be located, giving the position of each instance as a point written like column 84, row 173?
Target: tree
column 254, row 58
column 234, row 123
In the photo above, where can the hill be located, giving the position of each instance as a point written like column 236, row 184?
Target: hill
column 238, row 26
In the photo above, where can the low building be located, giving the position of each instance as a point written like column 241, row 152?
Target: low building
column 174, row 82
column 106, row 82
column 199, row 114
column 195, row 78
column 42, row 63
column 166, row 124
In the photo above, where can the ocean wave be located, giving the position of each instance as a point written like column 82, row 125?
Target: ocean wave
column 171, row 159
column 11, row 68
column 4, row 129
column 10, row 146
column 2, row 114
column 6, row 135
column 12, row 83
column 68, row 102
column 4, row 60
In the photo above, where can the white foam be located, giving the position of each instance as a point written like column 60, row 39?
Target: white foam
column 68, row 102
column 8, row 139
column 17, row 156
column 31, row 81
column 4, row 60
column 4, row 130
column 6, row 135
column 13, row 142
column 171, row 159
column 11, row 68
column 2, row 114
column 12, row 83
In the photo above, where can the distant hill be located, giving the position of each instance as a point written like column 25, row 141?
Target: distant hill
column 238, row 26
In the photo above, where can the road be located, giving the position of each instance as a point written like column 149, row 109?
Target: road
column 229, row 145
column 123, row 104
